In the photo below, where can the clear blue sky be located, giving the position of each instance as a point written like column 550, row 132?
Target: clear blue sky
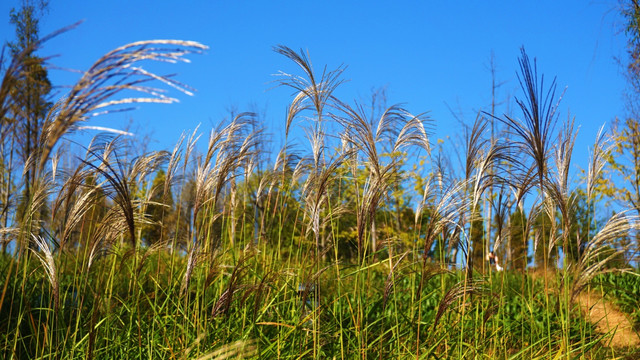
column 431, row 55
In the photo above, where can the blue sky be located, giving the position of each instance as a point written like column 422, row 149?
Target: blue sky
column 431, row 55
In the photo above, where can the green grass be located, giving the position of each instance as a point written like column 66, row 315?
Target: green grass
column 624, row 291
column 124, row 310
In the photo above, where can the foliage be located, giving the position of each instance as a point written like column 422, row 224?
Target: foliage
column 542, row 232
column 477, row 235
column 24, row 120
column 160, row 211
column 519, row 243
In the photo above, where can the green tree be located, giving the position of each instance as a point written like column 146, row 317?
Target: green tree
column 583, row 226
column 185, row 227
column 542, row 230
column 624, row 162
column 95, row 214
column 160, row 211
column 25, row 117
column 624, row 158
column 477, row 236
column 519, row 243
column 31, row 90
column 631, row 12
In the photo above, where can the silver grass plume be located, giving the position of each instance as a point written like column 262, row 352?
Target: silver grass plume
column 558, row 187
column 118, row 180
column 395, row 125
column 596, row 254
column 46, row 259
column 602, row 146
column 457, row 292
column 116, row 73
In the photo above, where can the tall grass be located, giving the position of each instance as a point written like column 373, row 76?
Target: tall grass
column 305, row 258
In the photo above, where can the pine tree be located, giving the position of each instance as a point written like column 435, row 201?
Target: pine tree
column 29, row 94
column 519, row 245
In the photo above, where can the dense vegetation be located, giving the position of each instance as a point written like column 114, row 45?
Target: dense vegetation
column 352, row 249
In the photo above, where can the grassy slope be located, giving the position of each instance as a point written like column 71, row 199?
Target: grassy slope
column 124, row 310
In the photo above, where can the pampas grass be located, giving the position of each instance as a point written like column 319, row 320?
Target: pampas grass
column 330, row 253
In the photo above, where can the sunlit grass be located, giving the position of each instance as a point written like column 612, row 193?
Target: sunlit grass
column 319, row 255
